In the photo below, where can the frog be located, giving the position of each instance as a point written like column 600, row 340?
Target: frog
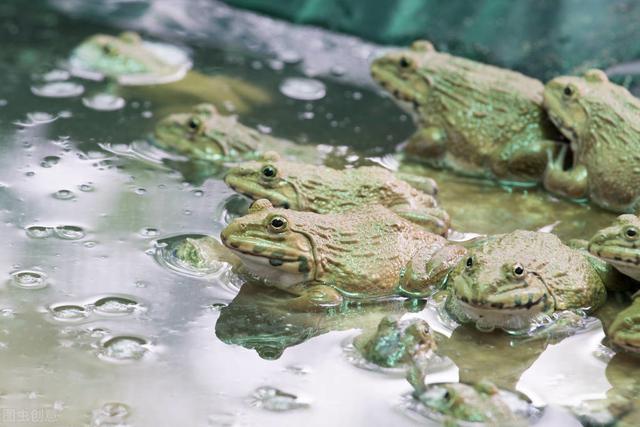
column 456, row 404
column 126, row 60
column 395, row 342
column 329, row 259
column 513, row 280
column 602, row 122
column 475, row 119
column 619, row 246
column 321, row 189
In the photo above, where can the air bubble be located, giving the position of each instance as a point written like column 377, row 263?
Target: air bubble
column 104, row 102
column 64, row 195
column 69, row 232
column 50, row 161
column 68, row 312
column 149, row 232
column 140, row 191
column 272, row 399
column 27, row 279
column 86, row 188
column 123, row 349
column 303, row 89
column 115, row 305
column 39, row 231
column 58, row 90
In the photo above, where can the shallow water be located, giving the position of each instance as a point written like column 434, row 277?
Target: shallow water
column 97, row 328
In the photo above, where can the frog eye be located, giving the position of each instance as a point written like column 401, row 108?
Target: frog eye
column 518, row 270
column 469, row 262
column 278, row 224
column 406, row 62
column 269, row 171
column 194, row 123
column 569, row 91
column 109, row 49
column 631, row 233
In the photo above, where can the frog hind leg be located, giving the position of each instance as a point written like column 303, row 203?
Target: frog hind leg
column 427, row 144
column 315, row 298
column 624, row 332
column 572, row 183
column 428, row 269
column 423, row 183
column 523, row 162
column 435, row 219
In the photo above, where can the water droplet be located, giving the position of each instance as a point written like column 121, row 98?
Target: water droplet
column 27, row 279
column 149, row 232
column 187, row 212
column 69, row 232
column 140, row 191
column 272, row 399
column 86, row 188
column 68, row 312
column 58, row 90
column 64, row 195
column 104, row 102
column 198, row 193
column 116, row 305
column 111, row 414
column 303, row 89
column 90, row 244
column 50, row 161
column 39, row 231
column 123, row 349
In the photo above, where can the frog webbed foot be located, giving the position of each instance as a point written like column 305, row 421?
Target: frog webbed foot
column 315, row 298
column 624, row 332
column 571, row 183
column 433, row 219
column 427, row 144
column 523, row 163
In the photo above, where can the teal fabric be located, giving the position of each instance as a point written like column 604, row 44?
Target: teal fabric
column 541, row 37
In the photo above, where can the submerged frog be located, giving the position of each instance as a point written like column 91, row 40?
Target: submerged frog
column 323, row 258
column 131, row 61
column 395, row 342
column 619, row 245
column 482, row 404
column 508, row 280
column 475, row 119
column 321, row 189
column 602, row 121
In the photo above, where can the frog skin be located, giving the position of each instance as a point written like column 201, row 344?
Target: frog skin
column 619, row 245
column 321, row 189
column 396, row 342
column 322, row 258
column 602, row 121
column 130, row 61
column 510, row 279
column 476, row 119
column 482, row 403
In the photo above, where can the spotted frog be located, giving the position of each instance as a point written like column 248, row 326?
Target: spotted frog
column 508, row 280
column 321, row 189
column 602, row 121
column 130, row 61
column 322, row 258
column 619, row 245
column 475, row 119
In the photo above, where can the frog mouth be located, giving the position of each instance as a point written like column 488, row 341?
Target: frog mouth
column 616, row 254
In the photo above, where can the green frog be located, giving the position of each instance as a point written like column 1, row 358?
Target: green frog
column 619, row 245
column 396, row 342
column 475, row 119
column 323, row 258
column 130, row 61
column 481, row 403
column 321, row 189
column 602, row 121
column 509, row 280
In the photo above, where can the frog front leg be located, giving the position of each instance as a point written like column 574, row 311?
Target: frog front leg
column 435, row 220
column 522, row 162
column 572, row 183
column 625, row 329
column 315, row 298
column 427, row 143
column 428, row 269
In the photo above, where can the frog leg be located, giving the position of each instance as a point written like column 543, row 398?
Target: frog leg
column 435, row 220
column 315, row 298
column 572, row 183
column 427, row 143
column 428, row 269
column 423, row 183
column 523, row 161
column 625, row 329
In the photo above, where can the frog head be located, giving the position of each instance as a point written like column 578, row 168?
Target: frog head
column 500, row 286
column 112, row 56
column 461, row 402
column 619, row 245
column 205, row 134
column 273, row 244
column 569, row 102
column 266, row 179
column 399, row 72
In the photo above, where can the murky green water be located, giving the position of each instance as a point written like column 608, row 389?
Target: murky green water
column 95, row 330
